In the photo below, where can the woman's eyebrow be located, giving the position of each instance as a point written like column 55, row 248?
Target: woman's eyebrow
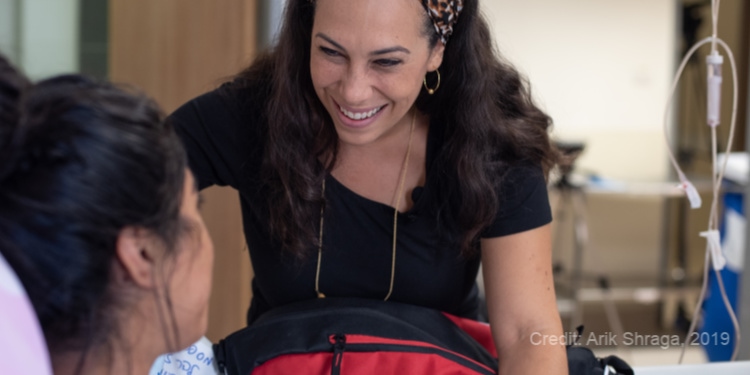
column 373, row 53
column 389, row 50
column 329, row 40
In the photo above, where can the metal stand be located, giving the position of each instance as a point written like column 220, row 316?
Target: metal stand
column 743, row 304
column 572, row 201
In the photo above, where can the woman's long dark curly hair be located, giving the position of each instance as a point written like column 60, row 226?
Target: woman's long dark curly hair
column 490, row 123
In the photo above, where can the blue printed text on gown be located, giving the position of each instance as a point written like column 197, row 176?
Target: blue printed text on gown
column 187, row 362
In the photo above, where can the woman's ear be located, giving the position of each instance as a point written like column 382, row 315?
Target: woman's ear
column 136, row 254
column 436, row 57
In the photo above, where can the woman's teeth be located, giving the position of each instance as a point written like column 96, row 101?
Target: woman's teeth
column 360, row 115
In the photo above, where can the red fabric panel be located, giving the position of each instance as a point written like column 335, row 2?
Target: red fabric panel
column 478, row 330
column 399, row 363
column 354, row 363
column 298, row 364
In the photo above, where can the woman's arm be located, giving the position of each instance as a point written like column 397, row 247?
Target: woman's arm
column 520, row 294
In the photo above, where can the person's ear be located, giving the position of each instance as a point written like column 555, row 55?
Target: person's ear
column 137, row 253
column 436, row 57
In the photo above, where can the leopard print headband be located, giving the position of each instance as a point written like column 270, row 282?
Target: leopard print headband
column 444, row 14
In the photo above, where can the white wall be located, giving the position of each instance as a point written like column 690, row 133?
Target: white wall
column 270, row 16
column 602, row 69
column 48, row 37
column 8, row 37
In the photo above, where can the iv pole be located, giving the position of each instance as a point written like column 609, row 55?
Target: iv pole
column 744, row 297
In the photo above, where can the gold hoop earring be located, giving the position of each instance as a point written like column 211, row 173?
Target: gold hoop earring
column 432, row 90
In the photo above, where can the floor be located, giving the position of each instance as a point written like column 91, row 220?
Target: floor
column 654, row 356
column 642, row 339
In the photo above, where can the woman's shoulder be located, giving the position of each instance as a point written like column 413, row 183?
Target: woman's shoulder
column 520, row 174
column 240, row 98
column 247, row 90
column 223, row 131
column 522, row 198
column 236, row 109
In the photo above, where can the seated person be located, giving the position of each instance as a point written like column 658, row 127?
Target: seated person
column 99, row 218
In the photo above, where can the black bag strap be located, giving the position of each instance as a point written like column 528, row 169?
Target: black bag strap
column 618, row 364
column 579, row 333
column 582, row 361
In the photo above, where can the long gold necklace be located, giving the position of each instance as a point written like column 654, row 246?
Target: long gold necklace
column 399, row 193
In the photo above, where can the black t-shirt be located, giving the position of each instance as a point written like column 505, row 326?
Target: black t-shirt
column 224, row 133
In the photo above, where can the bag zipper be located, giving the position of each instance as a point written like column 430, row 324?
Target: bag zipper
column 365, row 343
column 339, row 344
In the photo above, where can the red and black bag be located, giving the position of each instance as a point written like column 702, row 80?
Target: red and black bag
column 355, row 336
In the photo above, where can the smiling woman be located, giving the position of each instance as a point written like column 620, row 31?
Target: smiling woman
column 380, row 147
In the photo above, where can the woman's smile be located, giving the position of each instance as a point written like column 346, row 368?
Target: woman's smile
column 358, row 118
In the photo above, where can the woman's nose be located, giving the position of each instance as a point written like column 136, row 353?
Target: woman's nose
column 356, row 86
